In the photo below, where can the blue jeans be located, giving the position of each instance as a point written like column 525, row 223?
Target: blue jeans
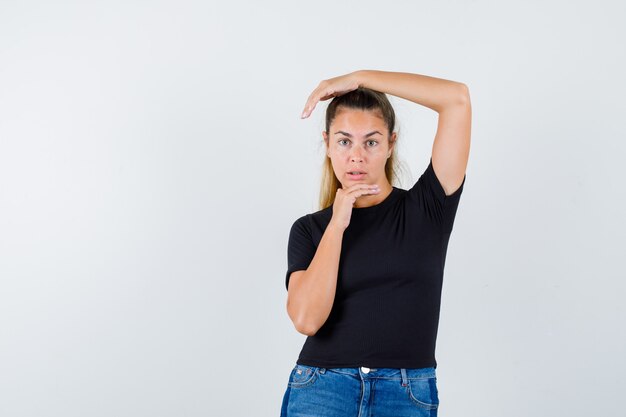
column 351, row 392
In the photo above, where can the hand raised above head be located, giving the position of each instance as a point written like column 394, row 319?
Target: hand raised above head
column 330, row 88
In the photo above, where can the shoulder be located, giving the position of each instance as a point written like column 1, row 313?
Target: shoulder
column 301, row 223
column 321, row 217
column 429, row 184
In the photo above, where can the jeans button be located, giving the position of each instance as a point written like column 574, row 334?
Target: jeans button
column 365, row 370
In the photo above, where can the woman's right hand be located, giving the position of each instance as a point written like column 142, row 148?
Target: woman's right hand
column 344, row 202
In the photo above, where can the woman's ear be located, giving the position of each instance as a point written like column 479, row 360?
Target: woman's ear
column 325, row 136
column 392, row 144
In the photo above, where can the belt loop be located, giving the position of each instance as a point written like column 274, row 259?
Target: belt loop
column 404, row 378
column 322, row 370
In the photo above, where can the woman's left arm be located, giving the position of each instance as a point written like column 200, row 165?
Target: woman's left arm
column 434, row 93
column 450, row 99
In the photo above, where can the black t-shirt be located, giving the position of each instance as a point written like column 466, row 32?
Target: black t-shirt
column 386, row 308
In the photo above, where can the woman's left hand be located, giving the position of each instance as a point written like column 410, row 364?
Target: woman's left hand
column 329, row 89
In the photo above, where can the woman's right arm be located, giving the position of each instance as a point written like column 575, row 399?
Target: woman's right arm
column 311, row 292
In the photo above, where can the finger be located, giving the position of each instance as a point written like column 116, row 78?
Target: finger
column 326, row 94
column 310, row 104
column 309, row 107
column 363, row 188
column 307, row 111
column 362, row 185
column 319, row 94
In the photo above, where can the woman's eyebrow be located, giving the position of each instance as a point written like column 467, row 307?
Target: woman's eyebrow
column 349, row 135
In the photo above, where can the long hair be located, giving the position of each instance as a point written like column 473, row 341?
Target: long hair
column 362, row 99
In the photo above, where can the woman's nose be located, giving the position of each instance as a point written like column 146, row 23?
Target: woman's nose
column 356, row 156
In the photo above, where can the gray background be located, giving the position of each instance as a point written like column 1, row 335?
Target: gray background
column 152, row 161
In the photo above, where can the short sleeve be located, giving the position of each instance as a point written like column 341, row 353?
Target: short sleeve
column 429, row 195
column 300, row 249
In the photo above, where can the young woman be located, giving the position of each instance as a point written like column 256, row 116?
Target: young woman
column 365, row 272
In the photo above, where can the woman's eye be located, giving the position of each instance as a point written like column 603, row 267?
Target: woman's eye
column 372, row 142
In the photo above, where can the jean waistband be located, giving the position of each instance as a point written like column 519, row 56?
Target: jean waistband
column 363, row 371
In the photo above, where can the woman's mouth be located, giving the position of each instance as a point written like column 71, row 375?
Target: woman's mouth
column 356, row 175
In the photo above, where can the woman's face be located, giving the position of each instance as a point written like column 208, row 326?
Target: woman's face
column 358, row 141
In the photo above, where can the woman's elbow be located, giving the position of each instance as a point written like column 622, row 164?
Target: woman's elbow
column 300, row 322
column 302, row 325
column 306, row 328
